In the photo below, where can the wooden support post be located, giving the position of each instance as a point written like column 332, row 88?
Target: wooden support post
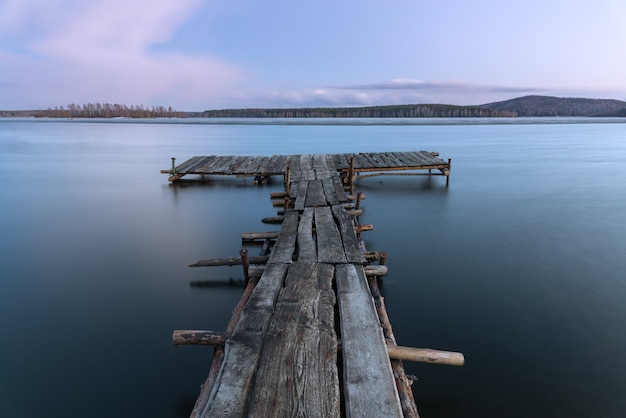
column 448, row 175
column 351, row 176
column 381, row 261
column 286, row 203
column 245, row 261
column 287, row 179
column 359, row 197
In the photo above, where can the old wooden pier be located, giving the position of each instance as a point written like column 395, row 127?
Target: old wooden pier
column 310, row 335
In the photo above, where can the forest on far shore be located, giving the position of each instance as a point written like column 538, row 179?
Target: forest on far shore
column 527, row 106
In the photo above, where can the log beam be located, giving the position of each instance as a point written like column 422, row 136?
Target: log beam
column 420, row 355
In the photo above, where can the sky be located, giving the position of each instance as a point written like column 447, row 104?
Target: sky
column 198, row 55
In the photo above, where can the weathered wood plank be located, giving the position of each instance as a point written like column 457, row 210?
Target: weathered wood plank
column 182, row 167
column 306, row 167
column 329, row 190
column 315, row 194
column 348, row 236
column 369, row 386
column 243, row 349
column 297, row 374
column 286, row 242
column 306, row 243
column 302, row 187
column 329, row 245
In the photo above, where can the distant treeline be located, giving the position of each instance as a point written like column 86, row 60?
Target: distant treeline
column 100, row 110
column 396, row 111
column 535, row 106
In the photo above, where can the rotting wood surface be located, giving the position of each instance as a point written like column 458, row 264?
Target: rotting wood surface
column 281, row 359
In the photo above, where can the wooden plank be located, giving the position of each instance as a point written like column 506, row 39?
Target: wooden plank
column 254, row 164
column 369, row 386
column 297, row 374
column 234, row 164
column 306, row 167
column 182, row 167
column 306, row 244
column 300, row 195
column 315, row 194
column 320, row 167
column 329, row 190
column 286, row 242
column 294, row 164
column 339, row 190
column 433, row 159
column 243, row 349
column 246, row 166
column 392, row 157
column 196, row 166
column 329, row 245
column 206, row 162
column 221, row 163
column 348, row 236
column 293, row 191
column 330, row 163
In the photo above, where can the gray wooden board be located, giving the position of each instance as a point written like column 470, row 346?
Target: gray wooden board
column 220, row 164
column 255, row 163
column 369, row 385
column 293, row 191
column 315, row 194
column 339, row 190
column 297, row 374
column 187, row 165
column 300, row 195
column 196, row 165
column 319, row 162
column 392, row 157
column 244, row 166
column 294, row 168
column 329, row 190
column 263, row 164
column 285, row 244
column 330, row 163
column 306, row 243
column 210, row 165
column 329, row 245
column 350, row 241
column 206, row 162
column 234, row 381
column 271, row 165
column 433, row 159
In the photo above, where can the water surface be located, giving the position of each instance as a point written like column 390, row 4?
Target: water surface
column 518, row 264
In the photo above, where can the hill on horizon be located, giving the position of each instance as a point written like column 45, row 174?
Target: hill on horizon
column 546, row 106
column 526, row 106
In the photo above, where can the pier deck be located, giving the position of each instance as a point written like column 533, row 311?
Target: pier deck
column 355, row 164
column 310, row 336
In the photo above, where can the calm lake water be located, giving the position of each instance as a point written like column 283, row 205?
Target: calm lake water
column 520, row 264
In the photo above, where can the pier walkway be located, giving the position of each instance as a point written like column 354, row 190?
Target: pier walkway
column 362, row 164
column 310, row 336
